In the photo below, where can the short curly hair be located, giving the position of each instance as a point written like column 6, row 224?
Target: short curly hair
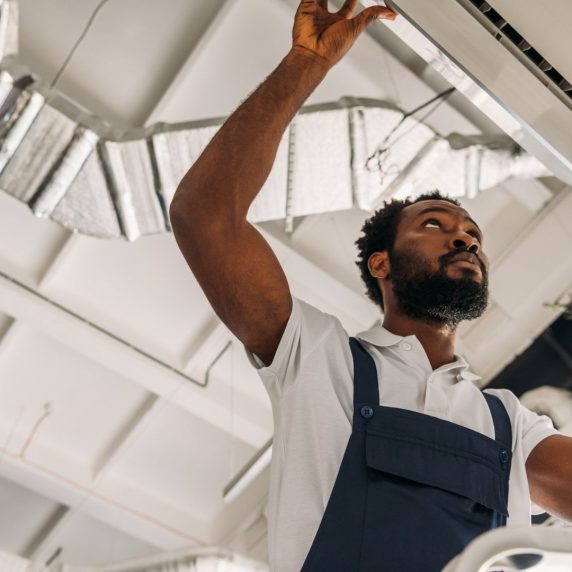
column 379, row 232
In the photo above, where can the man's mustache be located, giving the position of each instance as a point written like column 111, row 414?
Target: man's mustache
column 450, row 257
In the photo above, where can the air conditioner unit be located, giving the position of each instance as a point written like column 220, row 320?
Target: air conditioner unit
column 509, row 57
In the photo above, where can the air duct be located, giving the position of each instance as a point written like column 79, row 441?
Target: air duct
column 74, row 169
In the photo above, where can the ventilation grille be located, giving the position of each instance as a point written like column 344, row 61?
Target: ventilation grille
column 508, row 36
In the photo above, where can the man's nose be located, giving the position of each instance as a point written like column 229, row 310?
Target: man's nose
column 467, row 242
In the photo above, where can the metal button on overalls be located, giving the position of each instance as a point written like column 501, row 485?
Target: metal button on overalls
column 412, row 490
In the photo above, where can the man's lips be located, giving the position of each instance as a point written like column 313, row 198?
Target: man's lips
column 467, row 259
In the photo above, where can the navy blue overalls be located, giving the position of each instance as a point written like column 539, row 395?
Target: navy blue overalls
column 412, row 490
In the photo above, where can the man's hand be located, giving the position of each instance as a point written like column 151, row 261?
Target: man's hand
column 330, row 35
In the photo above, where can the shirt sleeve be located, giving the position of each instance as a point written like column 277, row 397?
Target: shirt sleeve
column 528, row 428
column 307, row 329
column 535, row 428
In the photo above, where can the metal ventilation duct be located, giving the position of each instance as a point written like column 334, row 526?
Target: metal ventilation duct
column 505, row 33
column 72, row 168
column 495, row 63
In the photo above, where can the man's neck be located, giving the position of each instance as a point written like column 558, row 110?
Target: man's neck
column 437, row 341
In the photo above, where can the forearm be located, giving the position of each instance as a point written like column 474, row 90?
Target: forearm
column 234, row 166
column 549, row 469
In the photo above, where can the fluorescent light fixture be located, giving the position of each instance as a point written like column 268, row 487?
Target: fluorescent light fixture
column 248, row 473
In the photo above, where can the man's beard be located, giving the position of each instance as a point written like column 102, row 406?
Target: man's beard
column 429, row 296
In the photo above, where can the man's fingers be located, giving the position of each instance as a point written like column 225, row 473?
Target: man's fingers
column 322, row 4
column 348, row 8
column 369, row 15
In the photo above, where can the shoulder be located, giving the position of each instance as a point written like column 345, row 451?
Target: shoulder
column 313, row 343
column 313, row 330
column 508, row 399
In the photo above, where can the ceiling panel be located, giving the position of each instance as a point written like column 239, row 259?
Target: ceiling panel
column 132, row 52
column 86, row 541
column 183, row 461
column 24, row 514
column 28, row 245
column 59, row 409
column 239, row 27
column 142, row 291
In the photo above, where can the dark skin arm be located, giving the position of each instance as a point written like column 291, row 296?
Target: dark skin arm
column 232, row 262
column 549, row 470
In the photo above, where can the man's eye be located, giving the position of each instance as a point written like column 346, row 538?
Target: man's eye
column 433, row 222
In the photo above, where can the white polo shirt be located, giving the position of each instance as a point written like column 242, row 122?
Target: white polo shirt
column 310, row 383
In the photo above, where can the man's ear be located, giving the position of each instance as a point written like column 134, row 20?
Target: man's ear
column 378, row 264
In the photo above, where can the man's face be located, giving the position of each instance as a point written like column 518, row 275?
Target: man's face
column 438, row 270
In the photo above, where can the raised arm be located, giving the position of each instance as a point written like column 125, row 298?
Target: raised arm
column 234, row 265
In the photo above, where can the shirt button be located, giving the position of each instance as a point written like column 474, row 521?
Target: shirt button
column 503, row 456
column 366, row 412
column 406, row 346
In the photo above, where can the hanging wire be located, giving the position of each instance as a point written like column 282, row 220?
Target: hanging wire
column 77, row 44
column 442, row 97
column 382, row 152
column 384, row 145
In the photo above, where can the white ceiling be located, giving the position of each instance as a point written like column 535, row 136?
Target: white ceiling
column 106, row 434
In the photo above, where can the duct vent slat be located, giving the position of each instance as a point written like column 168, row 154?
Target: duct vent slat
column 503, row 30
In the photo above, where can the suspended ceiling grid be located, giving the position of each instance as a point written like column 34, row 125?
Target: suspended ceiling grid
column 99, row 426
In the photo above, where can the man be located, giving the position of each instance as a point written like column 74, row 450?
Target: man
column 356, row 485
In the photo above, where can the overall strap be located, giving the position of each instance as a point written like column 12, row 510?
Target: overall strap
column 366, row 388
column 501, row 420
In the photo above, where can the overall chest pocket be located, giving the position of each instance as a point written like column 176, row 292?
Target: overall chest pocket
column 427, row 452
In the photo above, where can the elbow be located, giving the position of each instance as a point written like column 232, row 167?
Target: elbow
column 176, row 214
column 181, row 208
column 176, row 205
column 191, row 220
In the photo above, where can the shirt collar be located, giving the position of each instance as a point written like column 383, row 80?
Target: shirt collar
column 378, row 336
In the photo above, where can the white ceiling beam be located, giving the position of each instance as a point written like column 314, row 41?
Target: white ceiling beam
column 314, row 284
column 6, row 325
column 194, row 55
column 155, row 523
column 204, row 352
column 42, row 544
column 128, row 434
column 103, row 347
column 58, row 259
